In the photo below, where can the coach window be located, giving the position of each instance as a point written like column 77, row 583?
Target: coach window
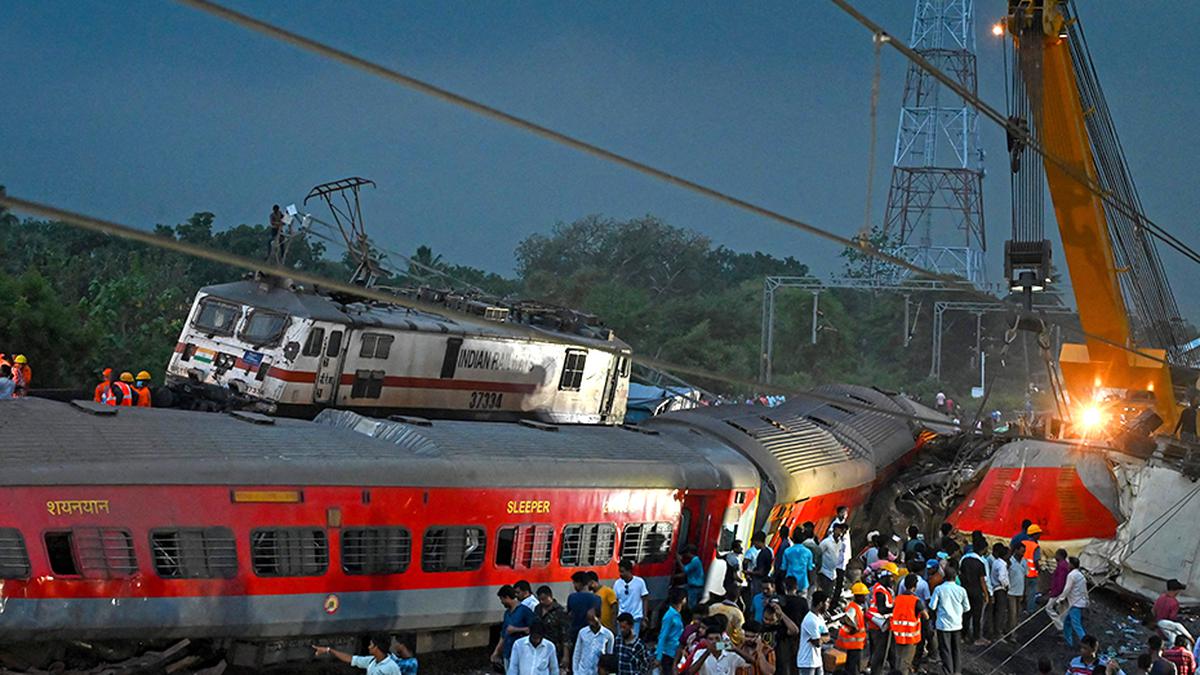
column 646, row 542
column 588, row 544
column 316, row 340
column 524, row 546
column 334, row 348
column 194, row 553
column 453, row 548
column 572, row 373
column 217, row 317
column 375, row 346
column 376, row 550
column 91, row 552
column 367, row 384
column 14, row 559
column 289, row 552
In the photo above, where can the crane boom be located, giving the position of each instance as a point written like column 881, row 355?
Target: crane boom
column 1100, row 366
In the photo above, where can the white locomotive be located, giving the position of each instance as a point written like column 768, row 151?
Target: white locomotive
column 291, row 351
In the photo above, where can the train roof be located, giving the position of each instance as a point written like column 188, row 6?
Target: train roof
column 82, row 443
column 321, row 307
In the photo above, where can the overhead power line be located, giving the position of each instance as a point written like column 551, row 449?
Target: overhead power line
column 1000, row 118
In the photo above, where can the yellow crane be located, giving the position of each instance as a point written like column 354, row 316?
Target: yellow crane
column 1102, row 368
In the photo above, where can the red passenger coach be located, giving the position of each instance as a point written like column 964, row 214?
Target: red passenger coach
column 137, row 523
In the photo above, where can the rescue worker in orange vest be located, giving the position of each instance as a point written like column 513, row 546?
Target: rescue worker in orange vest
column 1032, row 555
column 852, row 636
column 104, row 390
column 907, row 616
column 879, row 611
column 22, row 375
column 141, row 390
column 125, row 385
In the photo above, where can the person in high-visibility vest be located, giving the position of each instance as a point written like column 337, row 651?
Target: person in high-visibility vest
column 906, row 624
column 22, row 375
column 122, row 390
column 141, row 390
column 852, row 636
column 1032, row 556
column 103, row 390
column 879, row 610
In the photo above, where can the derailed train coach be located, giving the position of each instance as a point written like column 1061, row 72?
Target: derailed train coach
column 267, row 347
column 132, row 523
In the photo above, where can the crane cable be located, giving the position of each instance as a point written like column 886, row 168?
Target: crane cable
column 999, row 118
column 958, row 283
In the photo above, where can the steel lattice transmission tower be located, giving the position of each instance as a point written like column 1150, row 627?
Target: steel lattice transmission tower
column 935, row 203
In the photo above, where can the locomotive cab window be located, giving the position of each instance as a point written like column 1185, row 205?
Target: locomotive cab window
column 572, row 372
column 646, row 542
column 375, row 346
column 524, row 546
column 194, row 553
column 316, row 340
column 217, row 317
column 14, row 559
column 367, row 384
column 289, row 552
column 588, row 544
column 376, row 550
column 91, row 552
column 453, row 548
column 263, row 327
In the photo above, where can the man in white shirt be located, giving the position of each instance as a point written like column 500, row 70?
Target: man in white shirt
column 950, row 602
column 715, row 655
column 533, row 654
column 813, row 634
column 998, row 580
column 378, row 663
column 593, row 641
column 831, row 557
column 632, row 595
column 1074, row 598
column 843, row 519
column 525, row 595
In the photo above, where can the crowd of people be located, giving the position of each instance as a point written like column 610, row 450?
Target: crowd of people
column 15, row 376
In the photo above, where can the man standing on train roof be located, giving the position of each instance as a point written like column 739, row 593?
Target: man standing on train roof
column 276, row 231
column 693, row 572
column 21, row 375
column 379, row 662
column 517, row 620
column 141, row 390
column 632, row 596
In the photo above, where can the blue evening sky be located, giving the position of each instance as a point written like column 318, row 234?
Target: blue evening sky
column 146, row 111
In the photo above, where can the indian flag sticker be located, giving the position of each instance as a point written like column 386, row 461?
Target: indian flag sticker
column 204, row 355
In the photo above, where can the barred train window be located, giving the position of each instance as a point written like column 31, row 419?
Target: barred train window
column 14, row 559
column 572, row 372
column 646, row 542
column 376, row 550
column 289, row 552
column 194, row 553
column 588, row 544
column 375, row 346
column 524, row 546
column 453, row 548
column 91, row 552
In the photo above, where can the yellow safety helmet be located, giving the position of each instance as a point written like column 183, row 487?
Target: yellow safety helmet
column 144, row 375
column 127, row 376
column 890, row 568
column 21, row 359
column 1033, row 529
column 860, row 589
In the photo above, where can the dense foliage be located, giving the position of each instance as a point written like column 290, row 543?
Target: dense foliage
column 75, row 301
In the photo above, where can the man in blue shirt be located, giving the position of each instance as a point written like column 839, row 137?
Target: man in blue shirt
column 693, row 570
column 670, row 632
column 517, row 620
column 759, row 602
column 798, row 561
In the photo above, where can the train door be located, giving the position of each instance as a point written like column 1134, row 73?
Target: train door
column 610, row 390
column 329, row 369
column 694, row 521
